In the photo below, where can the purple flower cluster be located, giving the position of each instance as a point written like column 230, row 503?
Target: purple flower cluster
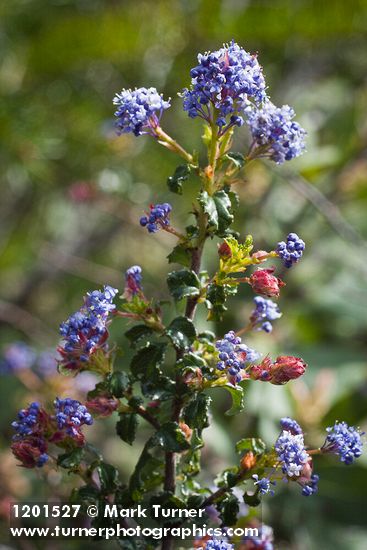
column 275, row 134
column 290, row 425
column 345, row 441
column 157, row 218
column 263, row 484
column 17, row 356
column 139, row 111
column 28, row 421
column 265, row 311
column 290, row 251
column 233, row 355
column 291, row 452
column 86, row 330
column 311, row 487
column 225, row 79
column 29, row 444
column 71, row 415
column 133, row 278
column 217, row 544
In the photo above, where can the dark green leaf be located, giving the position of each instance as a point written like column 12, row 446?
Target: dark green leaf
column 253, row 444
column 180, row 255
column 190, row 359
column 209, row 206
column 137, row 333
column 196, row 411
column 108, row 476
column 223, row 205
column 148, row 472
column 183, row 284
column 181, row 174
column 238, row 399
column 237, row 158
column 119, row 383
column 229, row 508
column 71, row 460
column 87, row 494
column 215, row 300
column 126, row 427
column 181, row 332
column 172, row 438
column 145, row 364
column 252, row 500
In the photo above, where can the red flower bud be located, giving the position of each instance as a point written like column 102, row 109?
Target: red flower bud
column 260, row 256
column 248, row 461
column 264, row 282
column 262, row 371
column 286, row 368
column 29, row 450
column 224, row 250
column 102, row 405
column 193, row 377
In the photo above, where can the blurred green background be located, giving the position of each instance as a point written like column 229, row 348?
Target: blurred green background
column 72, row 194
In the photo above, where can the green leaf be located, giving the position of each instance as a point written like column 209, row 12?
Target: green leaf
column 237, row 158
column 196, row 411
column 181, row 332
column 229, row 508
column 71, row 461
column 190, row 359
column 208, row 205
column 252, row 500
column 253, row 444
column 108, row 476
column 145, row 364
column 223, row 205
column 215, row 300
column 172, row 438
column 137, row 333
column 238, row 399
column 183, row 284
column 148, row 472
column 180, row 255
column 126, row 427
column 119, row 383
column 88, row 494
column 181, row 174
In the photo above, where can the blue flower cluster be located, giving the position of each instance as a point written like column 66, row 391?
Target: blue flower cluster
column 133, row 278
column 226, row 79
column 275, row 134
column 265, row 311
column 263, row 484
column 86, row 330
column 290, row 425
column 157, row 218
column 291, row 452
column 345, row 441
column 217, row 544
column 17, row 356
column 71, row 415
column 28, row 421
column 233, row 355
column 139, row 111
column 311, row 487
column 292, row 250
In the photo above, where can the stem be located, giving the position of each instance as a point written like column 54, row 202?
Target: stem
column 141, row 411
column 166, row 140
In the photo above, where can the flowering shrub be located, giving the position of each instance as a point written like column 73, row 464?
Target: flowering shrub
column 227, row 90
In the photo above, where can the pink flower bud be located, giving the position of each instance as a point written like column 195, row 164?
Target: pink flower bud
column 264, row 282
column 286, row 368
column 193, row 377
column 30, row 451
column 102, row 405
column 260, row 256
column 224, row 250
column 262, row 371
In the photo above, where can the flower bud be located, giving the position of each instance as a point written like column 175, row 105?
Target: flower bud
column 260, row 256
column 186, row 430
column 264, row 282
column 102, row 405
column 224, row 250
column 31, row 451
column 286, row 368
column 193, row 377
column 248, row 461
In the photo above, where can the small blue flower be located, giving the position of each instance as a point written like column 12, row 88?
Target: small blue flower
column 71, row 415
column 225, row 79
column 345, row 441
column 139, row 111
column 28, row 421
column 311, row 487
column 217, row 544
column 290, row 425
column 275, row 134
column 157, row 218
column 133, row 278
column 265, row 311
column 264, row 485
column 291, row 453
column 292, row 250
column 234, row 356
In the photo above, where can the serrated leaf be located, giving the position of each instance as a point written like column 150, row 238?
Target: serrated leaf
column 190, row 359
column 237, row 158
column 183, row 284
column 215, row 300
column 253, row 444
column 180, row 175
column 108, row 476
column 223, row 205
column 181, row 332
column 238, row 399
column 119, row 383
column 229, row 508
column 145, row 364
column 126, row 427
column 180, row 255
column 137, row 333
column 71, row 460
column 197, row 410
column 172, row 438
column 148, row 472
column 210, row 209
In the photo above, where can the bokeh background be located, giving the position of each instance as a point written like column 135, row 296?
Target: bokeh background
column 72, row 194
